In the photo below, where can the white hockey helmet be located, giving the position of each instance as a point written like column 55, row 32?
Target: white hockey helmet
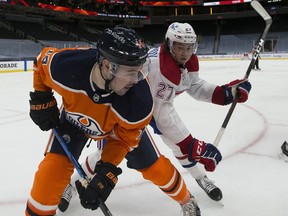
column 181, row 33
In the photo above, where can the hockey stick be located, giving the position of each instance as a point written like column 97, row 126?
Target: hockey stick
column 268, row 21
column 85, row 179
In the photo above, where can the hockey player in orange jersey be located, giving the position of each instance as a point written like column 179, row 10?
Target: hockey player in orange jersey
column 105, row 94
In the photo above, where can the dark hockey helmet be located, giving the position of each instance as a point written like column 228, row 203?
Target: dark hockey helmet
column 123, row 46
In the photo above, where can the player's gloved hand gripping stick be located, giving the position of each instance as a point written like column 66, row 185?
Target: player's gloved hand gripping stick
column 85, row 180
column 268, row 21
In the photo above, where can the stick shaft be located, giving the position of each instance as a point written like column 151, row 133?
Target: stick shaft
column 80, row 170
column 268, row 21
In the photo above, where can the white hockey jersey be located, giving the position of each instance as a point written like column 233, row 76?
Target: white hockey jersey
column 168, row 80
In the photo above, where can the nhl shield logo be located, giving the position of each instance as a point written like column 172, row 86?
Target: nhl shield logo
column 96, row 97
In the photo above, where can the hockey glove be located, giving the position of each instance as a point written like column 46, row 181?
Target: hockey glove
column 43, row 110
column 205, row 153
column 239, row 88
column 100, row 186
column 225, row 94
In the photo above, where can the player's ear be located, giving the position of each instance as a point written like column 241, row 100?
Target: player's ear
column 106, row 65
column 106, row 68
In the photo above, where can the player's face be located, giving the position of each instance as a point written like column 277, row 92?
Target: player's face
column 182, row 52
column 125, row 78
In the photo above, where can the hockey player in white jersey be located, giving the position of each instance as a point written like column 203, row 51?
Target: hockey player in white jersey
column 176, row 70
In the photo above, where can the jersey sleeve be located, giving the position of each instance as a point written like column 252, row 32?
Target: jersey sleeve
column 169, row 123
column 43, row 64
column 200, row 89
column 123, row 142
column 40, row 66
column 127, row 133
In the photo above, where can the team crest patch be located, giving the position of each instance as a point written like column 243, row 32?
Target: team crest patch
column 85, row 123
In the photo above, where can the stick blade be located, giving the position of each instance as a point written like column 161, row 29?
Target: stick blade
column 260, row 10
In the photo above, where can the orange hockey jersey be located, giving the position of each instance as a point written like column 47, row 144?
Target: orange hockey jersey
column 121, row 119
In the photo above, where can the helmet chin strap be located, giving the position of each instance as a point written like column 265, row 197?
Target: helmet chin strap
column 107, row 81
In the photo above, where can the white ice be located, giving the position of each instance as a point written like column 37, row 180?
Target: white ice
column 252, row 177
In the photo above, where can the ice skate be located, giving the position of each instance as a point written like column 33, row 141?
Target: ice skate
column 67, row 195
column 191, row 208
column 210, row 188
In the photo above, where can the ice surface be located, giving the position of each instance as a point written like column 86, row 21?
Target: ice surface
column 252, row 178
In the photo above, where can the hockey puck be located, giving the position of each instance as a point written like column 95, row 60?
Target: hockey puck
column 284, row 148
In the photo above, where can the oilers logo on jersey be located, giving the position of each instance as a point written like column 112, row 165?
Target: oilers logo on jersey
column 85, row 123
